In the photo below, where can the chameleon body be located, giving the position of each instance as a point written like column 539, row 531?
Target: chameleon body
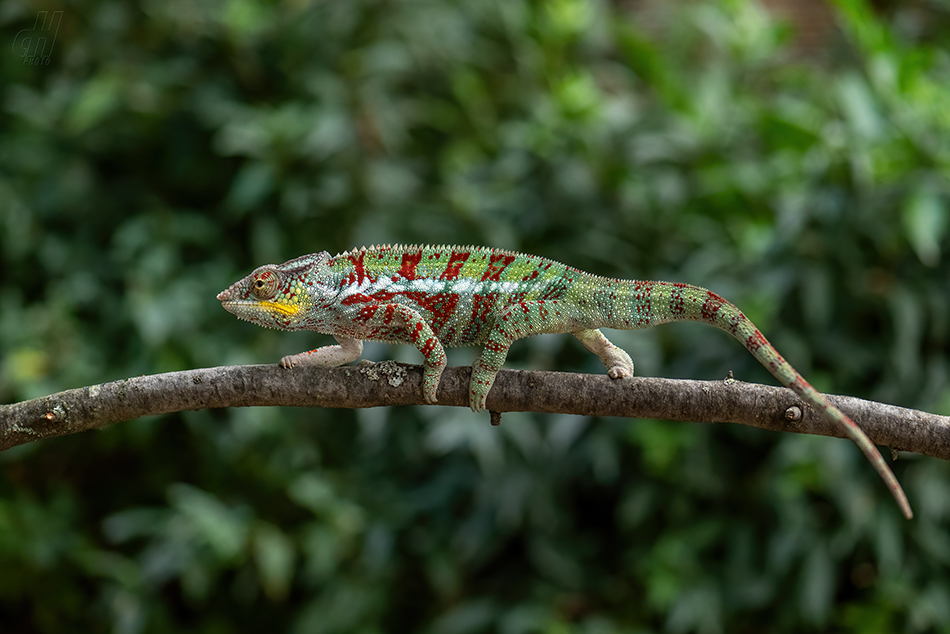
column 438, row 296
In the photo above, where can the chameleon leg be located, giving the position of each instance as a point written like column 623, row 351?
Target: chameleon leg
column 619, row 364
column 517, row 321
column 414, row 330
column 348, row 350
column 420, row 334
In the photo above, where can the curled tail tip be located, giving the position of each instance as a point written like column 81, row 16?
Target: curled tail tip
column 903, row 503
column 895, row 488
column 874, row 456
column 891, row 481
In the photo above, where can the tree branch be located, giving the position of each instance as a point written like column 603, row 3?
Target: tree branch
column 390, row 383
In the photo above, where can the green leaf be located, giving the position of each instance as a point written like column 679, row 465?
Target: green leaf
column 925, row 220
column 224, row 529
column 274, row 555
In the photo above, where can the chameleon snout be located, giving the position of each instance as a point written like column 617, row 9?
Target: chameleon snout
column 225, row 295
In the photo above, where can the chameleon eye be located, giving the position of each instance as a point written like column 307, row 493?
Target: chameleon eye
column 265, row 286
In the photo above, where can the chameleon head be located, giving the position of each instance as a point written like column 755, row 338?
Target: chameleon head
column 278, row 296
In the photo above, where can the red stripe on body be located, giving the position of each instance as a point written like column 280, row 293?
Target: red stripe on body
column 482, row 308
column 441, row 307
column 497, row 264
column 454, row 266
column 359, row 267
column 367, row 313
column 409, row 263
column 380, row 297
column 357, row 298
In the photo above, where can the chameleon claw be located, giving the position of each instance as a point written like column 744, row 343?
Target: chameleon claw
column 619, row 372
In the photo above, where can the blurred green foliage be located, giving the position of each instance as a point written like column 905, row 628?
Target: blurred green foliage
column 168, row 147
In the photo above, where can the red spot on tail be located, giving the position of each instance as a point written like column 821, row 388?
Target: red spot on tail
column 677, row 301
column 711, row 306
column 755, row 341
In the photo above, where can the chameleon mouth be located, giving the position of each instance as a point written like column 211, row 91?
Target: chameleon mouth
column 244, row 309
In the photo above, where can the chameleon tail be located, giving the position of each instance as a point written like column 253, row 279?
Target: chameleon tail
column 678, row 302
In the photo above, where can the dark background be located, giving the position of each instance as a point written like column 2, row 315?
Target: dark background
column 156, row 152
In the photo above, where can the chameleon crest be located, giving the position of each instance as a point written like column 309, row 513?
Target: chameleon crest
column 437, row 296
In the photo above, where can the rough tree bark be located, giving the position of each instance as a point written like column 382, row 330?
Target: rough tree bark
column 389, row 383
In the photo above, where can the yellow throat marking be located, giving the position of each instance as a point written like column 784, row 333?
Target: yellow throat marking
column 286, row 309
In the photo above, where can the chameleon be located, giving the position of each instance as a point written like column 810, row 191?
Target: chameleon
column 434, row 297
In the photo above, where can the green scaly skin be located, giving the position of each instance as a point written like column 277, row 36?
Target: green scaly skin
column 438, row 296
